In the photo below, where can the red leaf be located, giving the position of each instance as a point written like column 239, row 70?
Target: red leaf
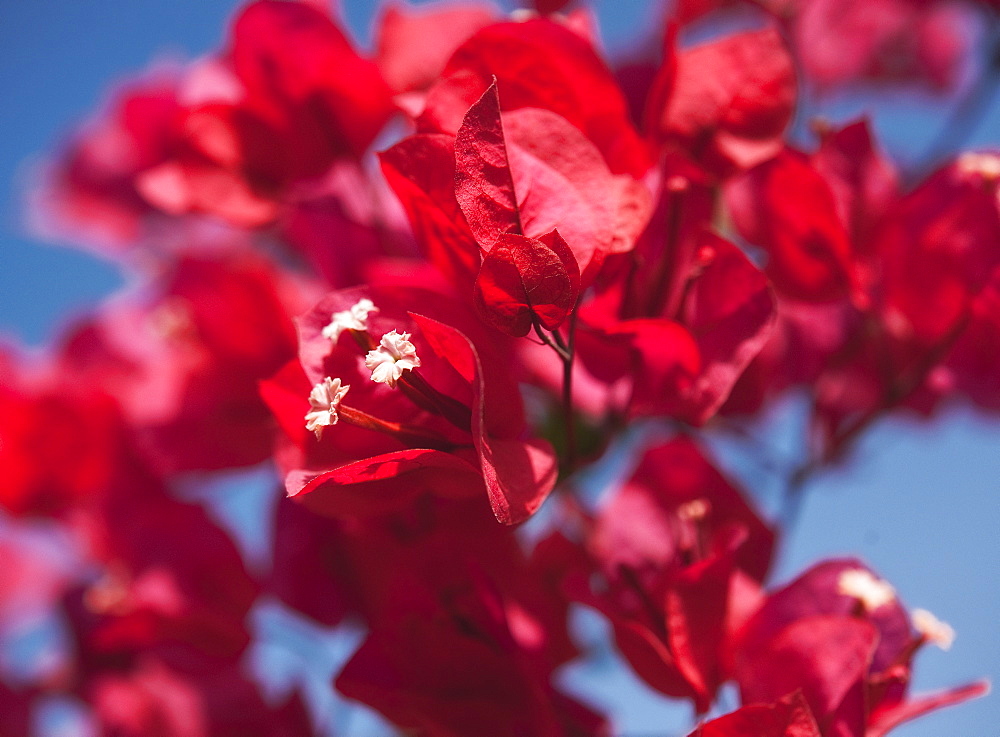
column 523, row 279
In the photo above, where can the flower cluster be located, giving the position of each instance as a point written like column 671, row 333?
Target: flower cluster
column 429, row 344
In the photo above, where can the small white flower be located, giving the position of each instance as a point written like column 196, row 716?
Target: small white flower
column 355, row 318
column 324, row 399
column 394, row 355
column 933, row 629
column 984, row 164
column 694, row 510
column 870, row 591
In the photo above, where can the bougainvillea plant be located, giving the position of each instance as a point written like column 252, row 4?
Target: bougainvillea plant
column 423, row 292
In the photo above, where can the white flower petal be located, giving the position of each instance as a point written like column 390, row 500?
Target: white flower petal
column 872, row 592
column 933, row 629
column 354, row 318
column 324, row 399
column 394, row 355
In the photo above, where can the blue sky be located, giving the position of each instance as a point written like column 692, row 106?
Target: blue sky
column 919, row 503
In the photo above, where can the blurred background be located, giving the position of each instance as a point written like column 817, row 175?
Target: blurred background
column 918, row 502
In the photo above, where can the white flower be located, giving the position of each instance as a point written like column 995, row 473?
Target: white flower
column 870, row 591
column 394, row 355
column 984, row 164
column 933, row 629
column 324, row 399
column 696, row 509
column 355, row 318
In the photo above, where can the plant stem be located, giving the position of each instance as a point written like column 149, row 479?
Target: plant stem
column 409, row 434
column 567, row 394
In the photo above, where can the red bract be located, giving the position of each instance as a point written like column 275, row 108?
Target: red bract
column 901, row 276
column 311, row 571
column 91, row 194
column 383, row 483
column 32, row 580
column 973, row 363
column 841, row 44
column 484, row 185
column 415, row 43
column 204, row 336
column 938, row 248
column 534, row 173
column 678, row 551
column 466, row 634
column 524, row 281
column 692, row 324
column 863, row 182
column 302, row 76
column 518, row 474
column 539, row 64
column 821, row 275
column 787, row 717
column 527, row 174
column 345, row 226
column 453, row 424
column 885, row 40
column 61, row 447
column 187, row 603
column 785, row 207
column 560, row 278
column 655, row 360
column 839, row 634
column 738, row 120
column 16, row 705
column 464, row 683
column 421, row 171
column 287, row 99
column 155, row 699
column 730, row 312
column 462, row 661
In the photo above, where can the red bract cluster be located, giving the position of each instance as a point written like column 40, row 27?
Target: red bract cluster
column 427, row 344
